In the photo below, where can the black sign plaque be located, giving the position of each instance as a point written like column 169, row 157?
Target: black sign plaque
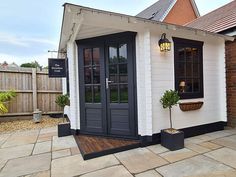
column 56, row 67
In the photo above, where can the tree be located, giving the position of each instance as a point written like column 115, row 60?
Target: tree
column 168, row 100
column 34, row 64
column 4, row 98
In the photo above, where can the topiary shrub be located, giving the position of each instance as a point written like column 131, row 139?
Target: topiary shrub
column 169, row 99
column 62, row 101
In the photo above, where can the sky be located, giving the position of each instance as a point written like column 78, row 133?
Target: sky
column 29, row 28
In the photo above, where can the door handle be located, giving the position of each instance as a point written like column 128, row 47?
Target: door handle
column 108, row 82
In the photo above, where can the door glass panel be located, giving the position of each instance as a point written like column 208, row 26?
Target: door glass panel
column 123, row 69
column 114, row 78
column 87, row 57
column 96, row 75
column 96, row 56
column 123, row 53
column 97, row 94
column 113, row 58
column 112, row 69
column 88, row 94
column 87, row 75
column 124, row 93
column 113, row 93
column 123, row 79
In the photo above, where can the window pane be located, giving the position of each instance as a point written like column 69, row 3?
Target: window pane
column 123, row 69
column 195, row 55
column 196, row 70
column 87, row 75
column 113, row 93
column 97, row 94
column 88, row 94
column 124, row 93
column 188, row 54
column 189, row 70
column 181, row 55
column 96, row 56
column 189, row 86
column 123, row 79
column 96, row 74
column 180, row 69
column 113, row 58
column 112, row 69
column 123, row 53
column 87, row 57
column 196, row 85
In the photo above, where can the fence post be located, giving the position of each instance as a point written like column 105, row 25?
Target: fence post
column 34, row 87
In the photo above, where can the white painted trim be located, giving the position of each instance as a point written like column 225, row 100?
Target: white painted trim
column 194, row 5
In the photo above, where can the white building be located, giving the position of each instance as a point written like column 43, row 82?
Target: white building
column 117, row 75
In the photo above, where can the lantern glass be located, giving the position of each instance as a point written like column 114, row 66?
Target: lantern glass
column 164, row 43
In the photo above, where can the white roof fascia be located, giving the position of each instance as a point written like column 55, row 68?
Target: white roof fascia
column 143, row 20
column 195, row 8
column 168, row 10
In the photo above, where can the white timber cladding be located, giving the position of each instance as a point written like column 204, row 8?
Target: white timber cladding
column 74, row 86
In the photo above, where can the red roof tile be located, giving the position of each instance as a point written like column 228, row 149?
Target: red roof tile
column 218, row 20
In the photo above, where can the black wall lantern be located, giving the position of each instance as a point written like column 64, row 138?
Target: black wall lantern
column 164, row 43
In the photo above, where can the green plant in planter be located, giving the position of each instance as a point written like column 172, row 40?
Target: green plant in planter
column 62, row 101
column 168, row 100
column 4, row 98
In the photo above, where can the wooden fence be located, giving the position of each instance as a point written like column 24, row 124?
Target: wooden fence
column 34, row 90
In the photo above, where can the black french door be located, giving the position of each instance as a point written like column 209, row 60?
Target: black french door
column 107, row 86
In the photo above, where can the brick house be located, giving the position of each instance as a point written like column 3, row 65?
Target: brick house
column 177, row 12
column 222, row 21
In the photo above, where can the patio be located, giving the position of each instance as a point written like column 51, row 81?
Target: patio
column 40, row 153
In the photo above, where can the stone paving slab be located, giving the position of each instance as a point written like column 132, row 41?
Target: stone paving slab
column 197, row 148
column 224, row 155
column 210, row 145
column 15, row 152
column 173, row 156
column 227, row 142
column 3, row 138
column 139, row 160
column 40, row 174
column 75, row 165
column 74, row 150
column 21, row 138
column 26, row 165
column 157, row 149
column 150, row 173
column 61, row 153
column 115, row 171
column 219, row 134
column 63, row 143
column 42, row 147
column 195, row 166
column 49, row 130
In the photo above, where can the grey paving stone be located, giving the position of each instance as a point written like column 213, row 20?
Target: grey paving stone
column 195, row 166
column 224, row 155
column 26, row 165
column 75, row 165
column 140, row 160
column 61, row 153
column 21, row 138
column 157, row 148
column 42, row 147
column 40, row 174
column 173, row 156
column 197, row 148
column 63, row 143
column 15, row 152
column 50, row 130
column 115, row 171
column 210, row 145
column 3, row 138
column 150, row 173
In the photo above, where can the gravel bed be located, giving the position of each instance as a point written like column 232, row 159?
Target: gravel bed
column 20, row 125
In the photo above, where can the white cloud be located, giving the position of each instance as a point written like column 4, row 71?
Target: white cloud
column 23, row 41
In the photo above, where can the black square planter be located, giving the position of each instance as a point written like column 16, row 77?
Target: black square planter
column 64, row 129
column 173, row 141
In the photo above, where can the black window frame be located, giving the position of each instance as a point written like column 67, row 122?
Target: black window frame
column 185, row 43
